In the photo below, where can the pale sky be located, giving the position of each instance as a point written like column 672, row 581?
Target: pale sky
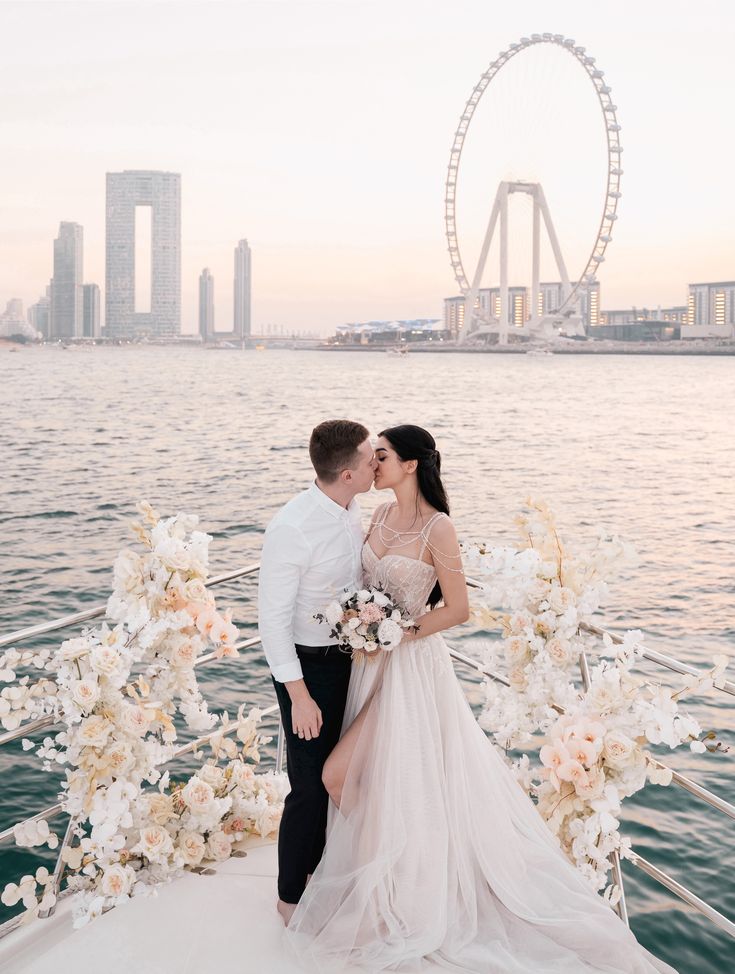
column 320, row 131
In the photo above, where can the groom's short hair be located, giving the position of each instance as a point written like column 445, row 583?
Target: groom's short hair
column 333, row 447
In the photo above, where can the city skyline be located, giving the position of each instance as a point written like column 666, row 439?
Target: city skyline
column 338, row 181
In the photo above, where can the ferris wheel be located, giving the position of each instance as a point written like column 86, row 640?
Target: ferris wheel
column 596, row 257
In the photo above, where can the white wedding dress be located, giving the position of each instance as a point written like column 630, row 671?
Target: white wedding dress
column 436, row 858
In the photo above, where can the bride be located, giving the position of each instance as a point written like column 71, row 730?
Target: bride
column 435, row 858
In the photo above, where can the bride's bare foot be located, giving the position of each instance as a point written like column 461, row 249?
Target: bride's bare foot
column 286, row 910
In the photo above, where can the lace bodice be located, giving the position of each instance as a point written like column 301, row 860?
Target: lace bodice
column 408, row 580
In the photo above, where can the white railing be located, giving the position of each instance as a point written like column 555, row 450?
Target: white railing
column 668, row 662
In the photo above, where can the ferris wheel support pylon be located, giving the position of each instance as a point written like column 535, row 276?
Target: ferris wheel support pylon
column 500, row 209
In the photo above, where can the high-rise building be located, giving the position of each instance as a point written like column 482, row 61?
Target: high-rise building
column 551, row 294
column 13, row 321
column 206, row 305
column 143, row 254
column 91, row 318
column 712, row 304
column 39, row 313
column 242, row 290
column 66, row 285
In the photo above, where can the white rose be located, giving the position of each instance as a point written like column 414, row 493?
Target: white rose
column 558, row 651
column 219, row 846
column 174, row 556
column 212, row 774
column 357, row 642
column 105, row 660
column 86, row 693
column 517, row 650
column 197, row 794
column 73, row 649
column 160, row 808
column 127, row 571
column 93, row 731
column 133, row 719
column 560, row 599
column 363, row 595
column 196, row 590
column 618, row 749
column 120, row 757
column 185, row 652
column 191, row 846
column 116, row 880
column 333, row 613
column 380, row 599
column 389, row 634
column 155, row 843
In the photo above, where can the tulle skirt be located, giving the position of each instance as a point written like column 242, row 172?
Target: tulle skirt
column 436, row 857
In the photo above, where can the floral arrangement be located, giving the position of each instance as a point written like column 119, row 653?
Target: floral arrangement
column 118, row 730
column 366, row 622
column 593, row 737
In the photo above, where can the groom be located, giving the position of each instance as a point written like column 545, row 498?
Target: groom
column 311, row 551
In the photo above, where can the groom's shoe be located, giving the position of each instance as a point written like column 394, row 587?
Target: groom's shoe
column 286, row 910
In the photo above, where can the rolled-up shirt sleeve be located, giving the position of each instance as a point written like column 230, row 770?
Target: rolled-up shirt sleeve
column 284, row 557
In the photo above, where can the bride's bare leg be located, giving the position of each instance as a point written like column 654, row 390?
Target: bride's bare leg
column 336, row 765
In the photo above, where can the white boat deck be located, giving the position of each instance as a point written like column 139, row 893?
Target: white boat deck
column 245, row 937
column 189, row 939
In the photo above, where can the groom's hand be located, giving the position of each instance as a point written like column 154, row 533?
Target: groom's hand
column 306, row 717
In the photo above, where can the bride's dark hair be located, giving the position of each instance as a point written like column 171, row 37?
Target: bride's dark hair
column 416, row 443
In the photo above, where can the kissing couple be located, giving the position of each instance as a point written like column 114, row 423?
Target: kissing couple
column 406, row 842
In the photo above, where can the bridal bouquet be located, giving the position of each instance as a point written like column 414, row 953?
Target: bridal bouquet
column 366, row 622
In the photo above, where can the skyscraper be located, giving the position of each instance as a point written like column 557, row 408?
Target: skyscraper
column 143, row 295
column 206, row 305
column 91, row 317
column 40, row 312
column 66, row 285
column 242, row 290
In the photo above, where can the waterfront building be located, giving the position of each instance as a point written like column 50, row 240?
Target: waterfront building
column 242, row 290
column 389, row 332
column 91, row 316
column 640, row 324
column 143, row 216
column 13, row 321
column 67, row 310
column 551, row 296
column 39, row 314
column 206, row 305
column 548, row 301
column 454, row 315
column 710, row 311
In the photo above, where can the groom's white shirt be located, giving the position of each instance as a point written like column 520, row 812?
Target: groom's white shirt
column 311, row 551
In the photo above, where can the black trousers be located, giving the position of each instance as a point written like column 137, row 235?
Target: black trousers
column 303, row 827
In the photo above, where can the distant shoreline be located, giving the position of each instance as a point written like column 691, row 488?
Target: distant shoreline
column 581, row 348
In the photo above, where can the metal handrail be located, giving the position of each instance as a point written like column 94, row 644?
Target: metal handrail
column 683, row 893
column 655, row 657
column 669, row 662
column 76, row 617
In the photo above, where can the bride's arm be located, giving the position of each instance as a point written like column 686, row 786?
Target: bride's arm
column 444, row 549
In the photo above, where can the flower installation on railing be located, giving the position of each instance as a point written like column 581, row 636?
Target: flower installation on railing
column 118, row 731
column 591, row 739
